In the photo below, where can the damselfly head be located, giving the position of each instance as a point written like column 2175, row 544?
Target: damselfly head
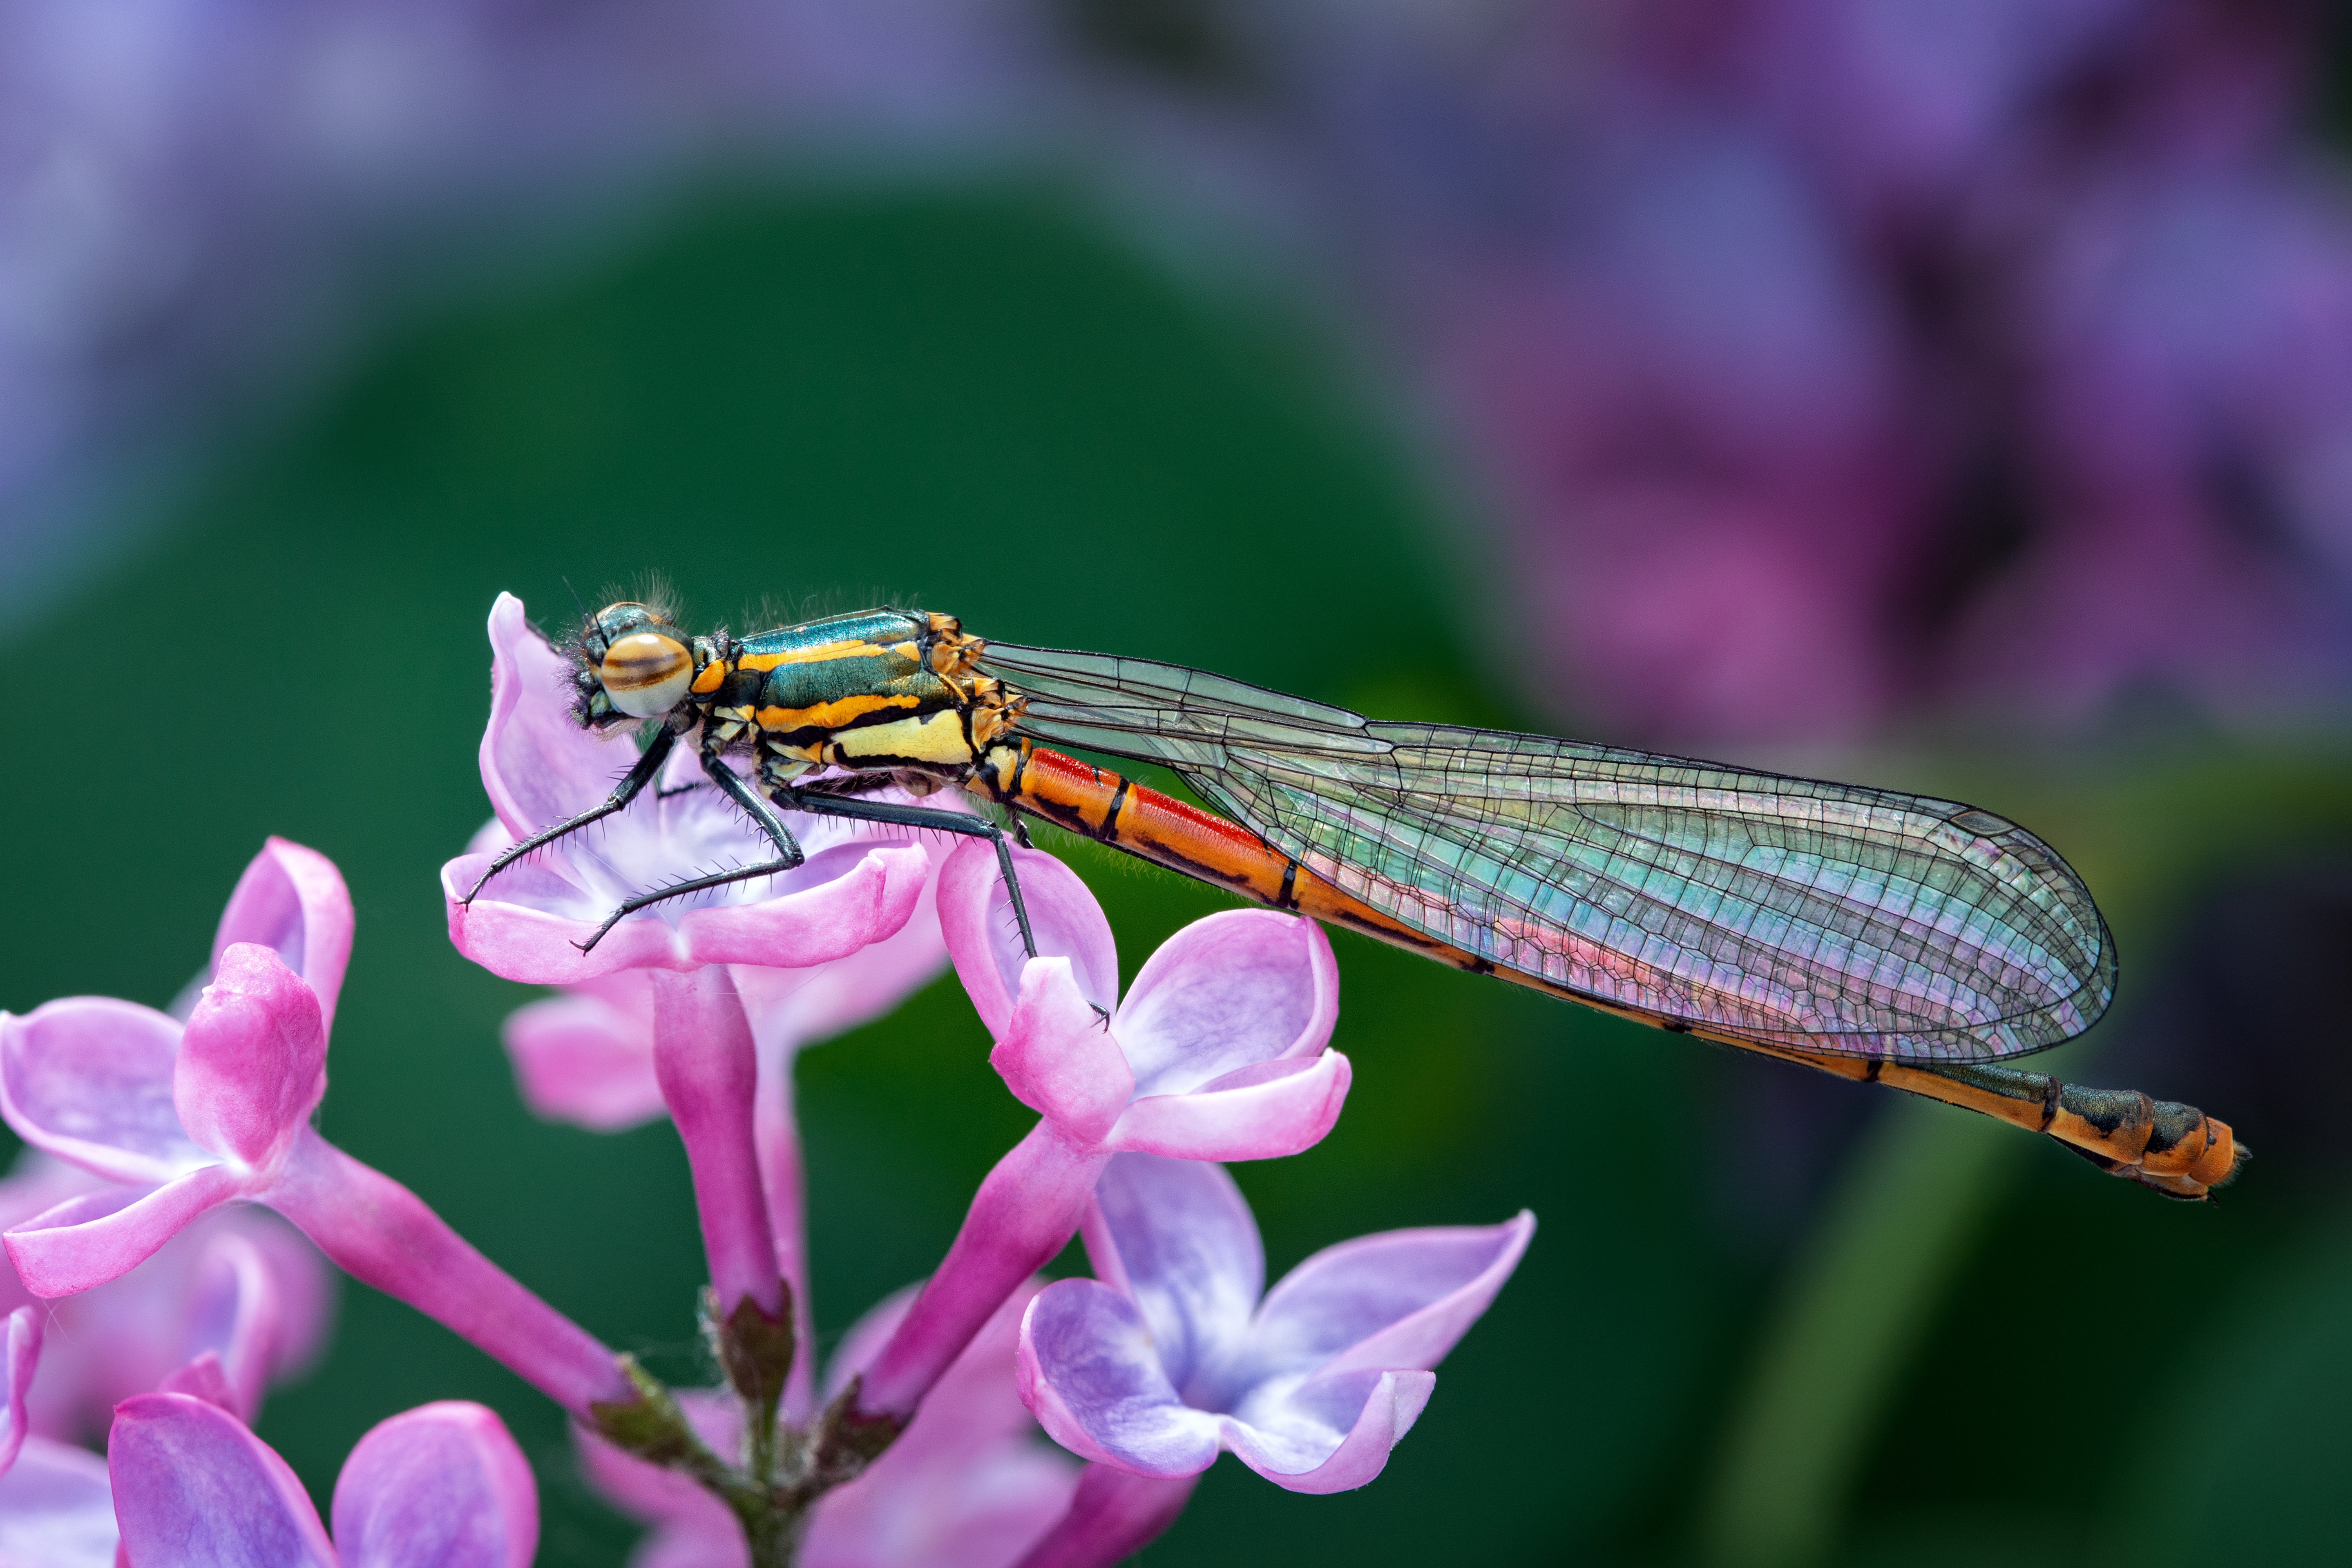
column 639, row 663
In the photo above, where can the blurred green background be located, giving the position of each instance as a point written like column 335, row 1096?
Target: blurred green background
column 1765, row 1321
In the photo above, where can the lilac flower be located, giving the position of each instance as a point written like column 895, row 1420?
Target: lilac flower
column 856, row 890
column 1218, row 1052
column 966, row 1485
column 190, row 1117
column 1170, row 1355
column 857, row 885
column 238, row 1296
column 441, row 1486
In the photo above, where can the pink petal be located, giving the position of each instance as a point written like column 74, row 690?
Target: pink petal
column 194, row 1489
column 1260, row 1112
column 443, row 1485
column 89, row 1079
column 1089, row 1372
column 709, row 1070
column 292, row 901
column 790, row 1007
column 539, row 764
column 381, row 1234
column 1115, row 1514
column 253, row 1063
column 1332, row 1434
column 857, row 894
column 585, row 1060
column 20, row 1355
column 976, row 914
column 88, row 1241
column 1057, row 1056
column 1229, row 991
column 1026, row 1210
column 1402, row 1299
column 1176, row 1237
column 204, row 1379
column 57, row 1509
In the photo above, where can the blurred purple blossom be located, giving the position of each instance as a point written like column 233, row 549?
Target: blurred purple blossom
column 1828, row 359
column 441, row 1486
column 1169, row 1354
column 57, row 1509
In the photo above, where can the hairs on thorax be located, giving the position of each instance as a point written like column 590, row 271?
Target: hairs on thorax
column 786, row 609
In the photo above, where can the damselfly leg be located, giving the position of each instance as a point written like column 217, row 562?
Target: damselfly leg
column 649, row 765
column 838, row 797
column 789, row 854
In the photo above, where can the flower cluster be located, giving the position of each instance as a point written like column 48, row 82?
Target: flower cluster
column 162, row 1140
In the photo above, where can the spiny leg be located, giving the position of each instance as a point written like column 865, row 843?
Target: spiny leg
column 649, row 764
column 789, row 856
column 831, row 798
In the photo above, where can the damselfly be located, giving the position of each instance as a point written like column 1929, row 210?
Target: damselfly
column 1875, row 935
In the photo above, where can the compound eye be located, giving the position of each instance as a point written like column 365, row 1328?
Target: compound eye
column 646, row 674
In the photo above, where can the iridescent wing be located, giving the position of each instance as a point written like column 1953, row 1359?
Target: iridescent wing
column 1782, row 911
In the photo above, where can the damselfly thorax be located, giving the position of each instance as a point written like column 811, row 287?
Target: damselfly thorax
column 1870, row 934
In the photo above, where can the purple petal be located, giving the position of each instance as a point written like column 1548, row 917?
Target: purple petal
column 253, row 1063
column 1176, row 1237
column 442, row 1485
column 1026, row 1210
column 1261, row 1113
column 57, row 1509
column 1089, row 1371
column 586, row 1060
column 89, row 1080
column 1229, row 991
column 709, row 1070
column 20, row 1355
column 1398, row 1299
column 291, row 899
column 976, row 914
column 381, row 1234
column 843, row 899
column 539, row 765
column 1115, row 1514
column 231, row 1315
column 85, row 1242
column 194, row 1489
column 1057, row 1056
column 1329, row 1435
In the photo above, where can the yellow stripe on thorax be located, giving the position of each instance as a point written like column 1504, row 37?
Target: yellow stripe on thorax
column 823, row 653
column 830, row 715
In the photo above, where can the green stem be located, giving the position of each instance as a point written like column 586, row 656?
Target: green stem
column 1858, row 1298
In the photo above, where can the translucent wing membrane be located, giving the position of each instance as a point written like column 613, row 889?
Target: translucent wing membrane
column 1782, row 911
